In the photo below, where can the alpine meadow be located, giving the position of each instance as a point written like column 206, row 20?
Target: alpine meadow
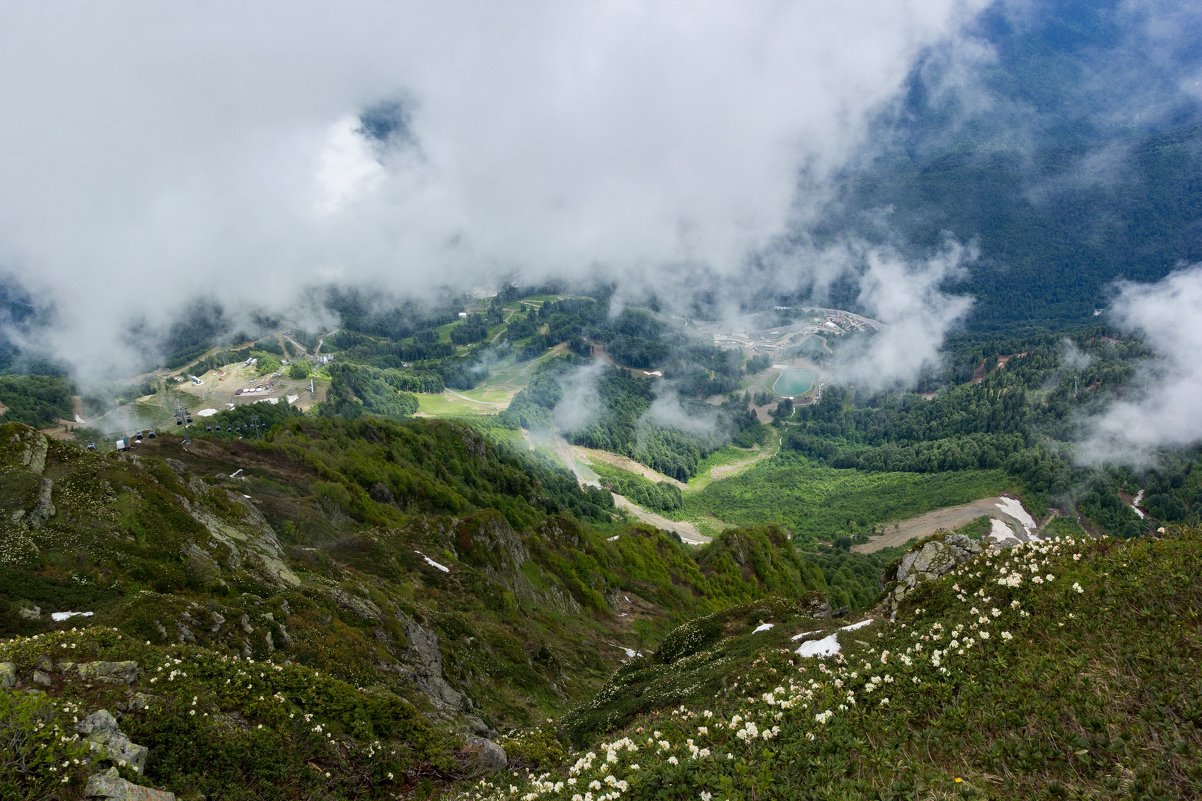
column 587, row 401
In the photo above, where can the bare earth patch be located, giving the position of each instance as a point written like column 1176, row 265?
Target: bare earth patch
column 946, row 519
column 687, row 531
column 622, row 462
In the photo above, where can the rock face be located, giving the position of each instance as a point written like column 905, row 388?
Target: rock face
column 108, row 672
column 426, row 661
column 485, row 754
column 111, row 786
column 936, row 558
column 8, row 675
column 103, row 736
column 932, row 560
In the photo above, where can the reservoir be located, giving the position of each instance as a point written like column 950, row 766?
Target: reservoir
column 794, row 381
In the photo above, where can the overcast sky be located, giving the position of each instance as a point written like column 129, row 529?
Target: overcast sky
column 152, row 151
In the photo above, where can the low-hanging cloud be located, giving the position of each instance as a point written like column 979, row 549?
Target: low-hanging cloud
column 1164, row 409
column 907, row 296
column 579, row 403
column 156, row 152
column 668, row 411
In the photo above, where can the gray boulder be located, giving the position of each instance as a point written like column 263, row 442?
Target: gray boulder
column 110, row 785
column 485, row 754
column 934, row 559
column 103, row 736
column 8, row 675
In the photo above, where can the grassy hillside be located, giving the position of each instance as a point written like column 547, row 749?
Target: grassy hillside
column 821, row 503
column 465, row 587
column 1060, row 670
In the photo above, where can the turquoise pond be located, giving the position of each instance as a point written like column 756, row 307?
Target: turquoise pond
column 794, row 381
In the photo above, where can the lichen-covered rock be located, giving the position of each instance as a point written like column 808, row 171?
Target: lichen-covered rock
column 933, row 559
column 8, row 675
column 109, row 672
column 102, row 734
column 43, row 509
column 937, row 558
column 113, row 672
column 110, row 785
column 484, row 754
column 425, row 667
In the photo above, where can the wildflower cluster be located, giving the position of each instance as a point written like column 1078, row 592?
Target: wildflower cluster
column 806, row 695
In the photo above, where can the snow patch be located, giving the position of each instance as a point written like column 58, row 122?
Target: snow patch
column 855, row 626
column 631, row 653
column 613, row 538
column 59, row 617
column 206, row 413
column 803, row 635
column 1014, row 508
column 762, row 627
column 432, row 563
column 827, row 646
column 999, row 531
column 1135, row 502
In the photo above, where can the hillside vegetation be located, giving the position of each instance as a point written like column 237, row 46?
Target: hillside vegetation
column 1065, row 669
column 402, row 584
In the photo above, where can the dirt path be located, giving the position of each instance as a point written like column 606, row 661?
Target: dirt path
column 687, row 531
column 623, row 463
column 734, row 468
column 948, row 519
column 493, row 405
column 321, row 340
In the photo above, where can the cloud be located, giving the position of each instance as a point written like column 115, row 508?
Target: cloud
column 154, row 153
column 668, row 411
column 1164, row 409
column 579, row 403
column 1072, row 356
column 906, row 296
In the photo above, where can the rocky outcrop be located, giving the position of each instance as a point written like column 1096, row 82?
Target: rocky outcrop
column 426, row 667
column 252, row 543
column 33, row 455
column 110, row 785
column 8, row 675
column 103, row 736
column 357, row 605
column 935, row 558
column 107, row 672
column 43, row 509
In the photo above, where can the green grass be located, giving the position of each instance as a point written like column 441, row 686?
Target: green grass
column 490, row 396
column 447, row 405
column 819, row 502
column 723, row 457
column 1083, row 686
